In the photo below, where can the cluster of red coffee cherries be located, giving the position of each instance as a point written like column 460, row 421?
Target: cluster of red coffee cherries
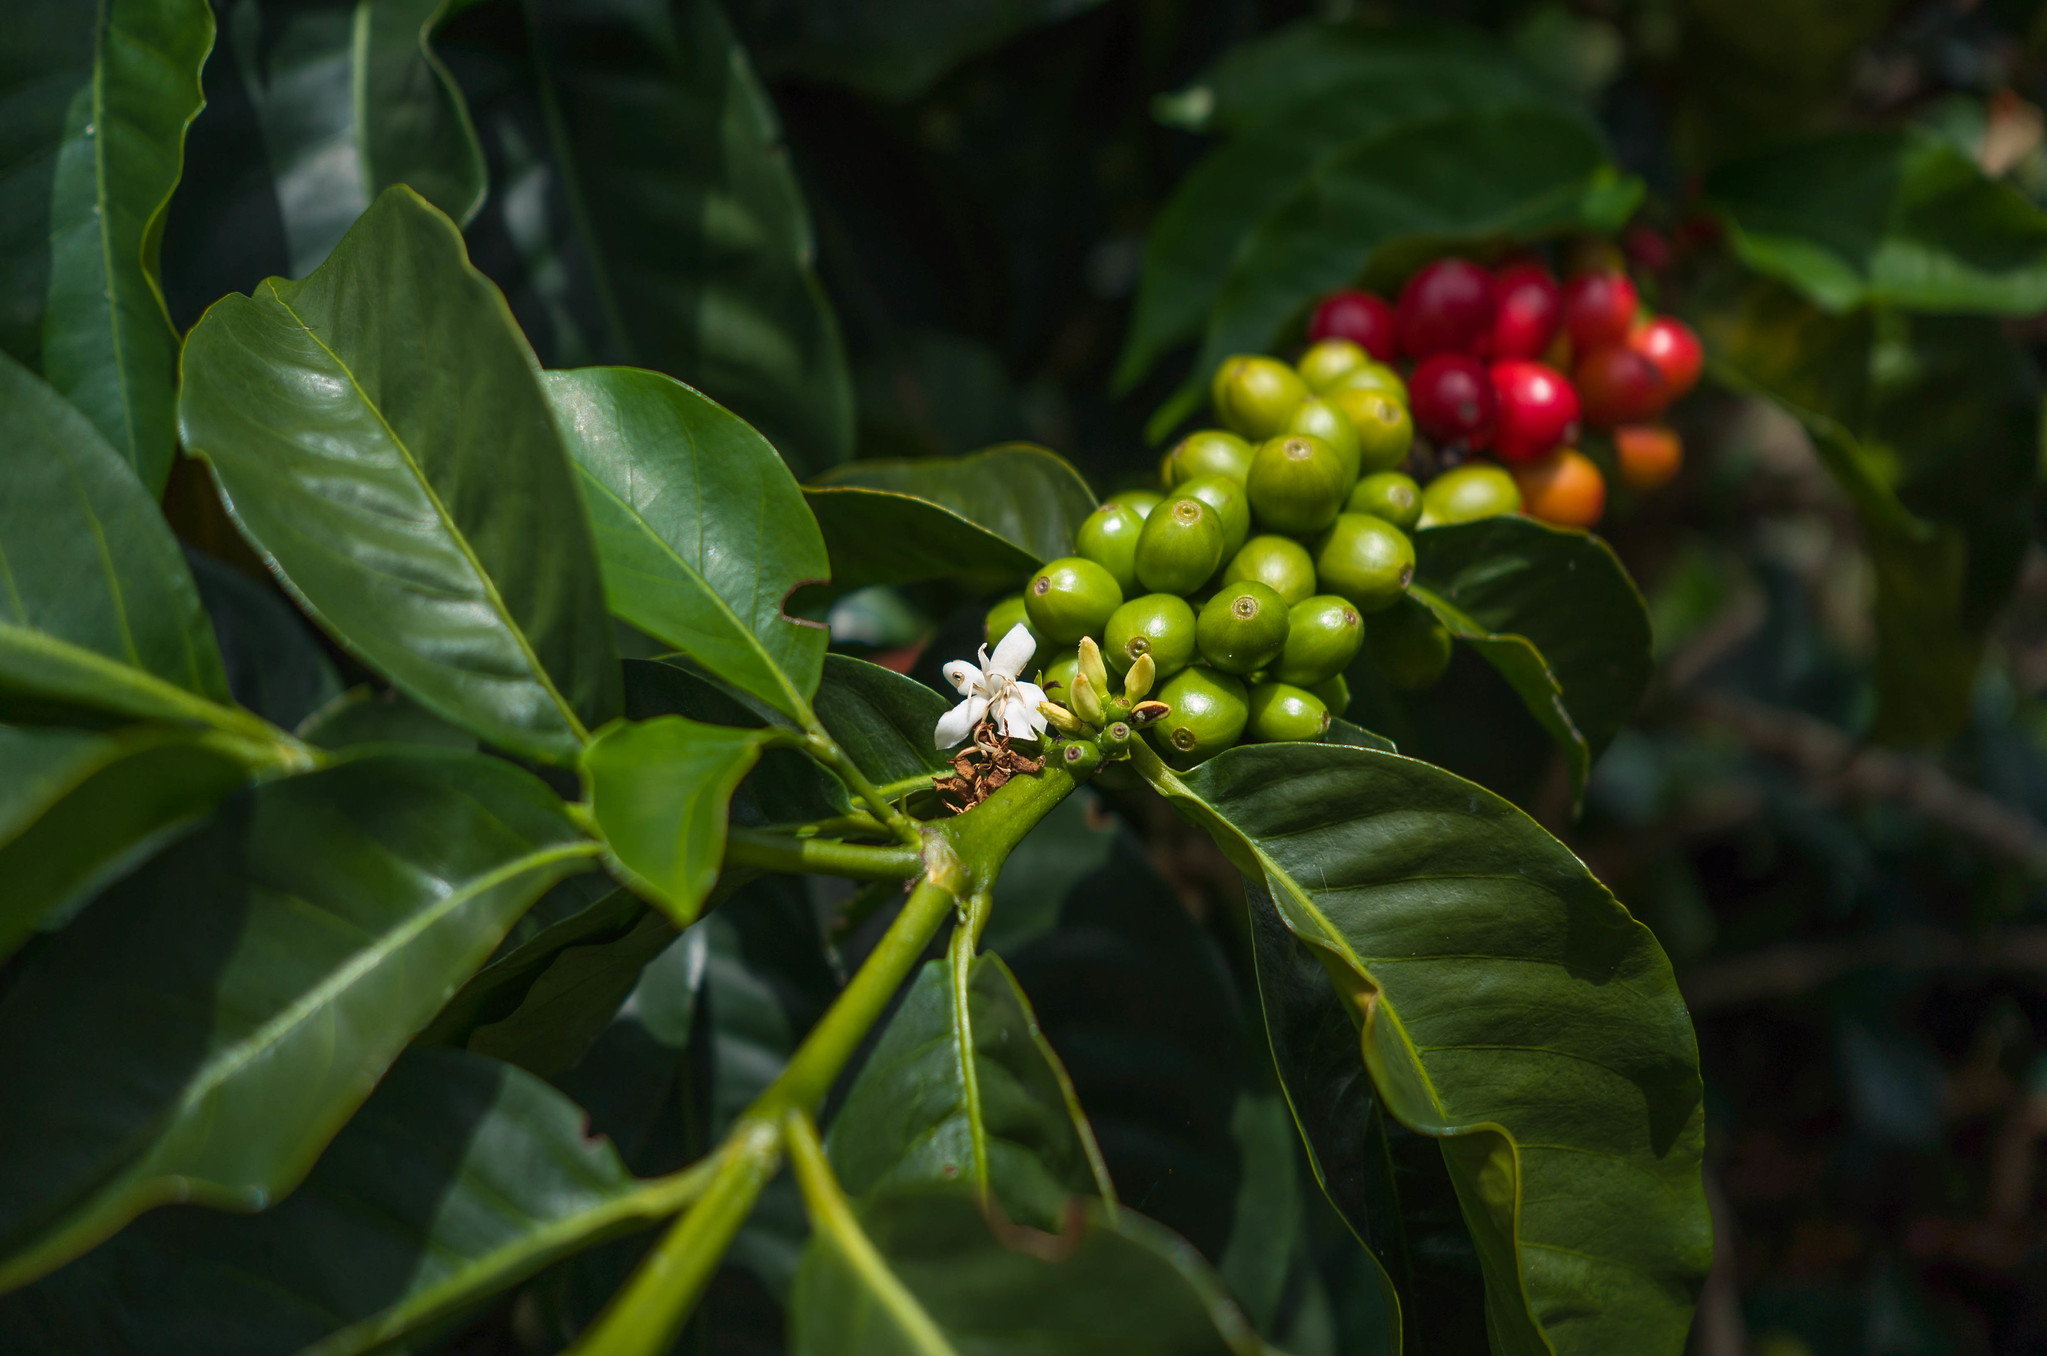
column 1490, row 351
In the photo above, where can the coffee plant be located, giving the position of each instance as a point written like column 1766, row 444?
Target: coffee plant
column 542, row 808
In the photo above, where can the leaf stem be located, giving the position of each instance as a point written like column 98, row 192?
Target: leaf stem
column 831, row 1215
column 822, row 856
column 826, row 750
column 960, row 958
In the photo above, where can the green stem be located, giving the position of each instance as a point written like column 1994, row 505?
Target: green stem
column 821, row 856
column 838, row 826
column 645, row 1315
column 963, row 856
column 960, row 958
column 826, row 750
column 832, row 1217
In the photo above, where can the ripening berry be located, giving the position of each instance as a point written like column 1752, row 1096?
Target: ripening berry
column 1362, row 318
column 1453, row 400
column 1674, row 348
column 1599, row 309
column 1446, row 308
column 1529, row 310
column 1564, row 488
column 1538, row 410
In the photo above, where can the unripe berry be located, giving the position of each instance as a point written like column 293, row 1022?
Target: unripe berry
column 1446, row 308
column 1323, row 634
column 1108, row 537
column 1328, row 362
column 1366, row 560
column 1244, row 627
column 1069, row 598
column 1469, row 492
column 1280, row 563
column 1389, row 495
column 1208, row 452
column 1207, row 715
column 1362, row 318
column 1160, row 625
column 1256, row 396
column 1180, row 546
column 1283, row 713
column 1297, row 484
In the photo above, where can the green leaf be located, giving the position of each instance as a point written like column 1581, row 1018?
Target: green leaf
column 701, row 530
column 1555, row 612
column 1930, row 424
column 202, row 1030
column 459, row 1177
column 363, row 715
column 889, row 51
column 572, row 1000
column 1893, row 217
column 97, row 608
column 597, row 914
column 658, row 791
column 1508, row 1006
column 1105, row 1283
column 1001, row 512
column 275, row 666
column 425, row 512
column 98, row 97
column 78, row 809
column 1297, row 98
column 883, row 720
column 1466, row 178
column 784, row 787
column 668, row 230
column 922, row 1113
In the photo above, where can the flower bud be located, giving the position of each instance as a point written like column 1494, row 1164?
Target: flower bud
column 1149, row 713
column 1091, row 664
column 1137, row 682
column 1062, row 719
column 1087, row 701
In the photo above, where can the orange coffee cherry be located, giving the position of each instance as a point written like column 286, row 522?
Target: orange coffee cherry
column 1564, row 488
column 1649, row 454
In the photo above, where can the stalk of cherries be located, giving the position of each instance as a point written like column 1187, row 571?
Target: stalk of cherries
column 1509, row 362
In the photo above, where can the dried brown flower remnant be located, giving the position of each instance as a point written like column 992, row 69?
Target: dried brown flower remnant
column 987, row 761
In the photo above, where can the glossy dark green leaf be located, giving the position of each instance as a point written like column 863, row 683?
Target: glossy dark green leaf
column 701, row 530
column 458, row 1177
column 1002, row 512
column 1342, row 731
column 1555, row 612
column 363, row 715
column 785, row 786
column 78, row 809
column 406, row 502
column 662, row 226
column 591, row 912
column 883, row 720
column 1893, row 217
column 1296, row 98
column 1107, row 1282
column 1507, row 1005
column 201, row 1030
column 1482, row 176
column 99, row 609
column 573, row 999
column 272, row 656
column 885, row 48
column 658, row 791
column 97, row 99
column 923, row 1112
column 1930, row 424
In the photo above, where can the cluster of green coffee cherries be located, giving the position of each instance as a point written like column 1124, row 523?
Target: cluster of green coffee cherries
column 1248, row 581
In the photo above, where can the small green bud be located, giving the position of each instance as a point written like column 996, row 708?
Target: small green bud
column 1091, row 666
column 1137, row 682
column 1087, row 702
column 1063, row 720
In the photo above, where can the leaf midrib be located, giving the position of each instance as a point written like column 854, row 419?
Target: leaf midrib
column 461, row 539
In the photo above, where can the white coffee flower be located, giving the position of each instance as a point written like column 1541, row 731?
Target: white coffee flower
column 994, row 687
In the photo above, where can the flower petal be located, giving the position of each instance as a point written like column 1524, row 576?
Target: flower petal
column 956, row 724
column 1013, row 652
column 963, row 676
column 1020, row 721
column 1031, row 694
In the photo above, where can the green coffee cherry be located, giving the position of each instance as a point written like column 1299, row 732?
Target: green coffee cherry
column 1144, row 501
column 1071, row 597
column 1375, row 377
column 1282, row 713
column 1324, row 420
column 1242, row 628
column 1322, row 636
column 1209, row 452
column 1158, row 624
column 1232, row 507
column 1385, row 428
column 1078, row 756
column 1410, row 646
column 1255, row 396
column 1468, row 493
column 1327, row 363
column 1389, row 495
column 1365, row 559
column 1280, row 563
column 1058, row 679
column 1003, row 617
column 1333, row 693
column 1180, row 547
column 1207, row 716
column 1297, row 484
column 1108, row 537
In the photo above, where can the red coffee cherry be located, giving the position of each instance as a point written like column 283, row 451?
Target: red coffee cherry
column 1674, row 348
column 1446, row 308
column 1364, row 319
column 1617, row 385
column 1529, row 306
column 1599, row 309
column 1452, row 400
column 1538, row 410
